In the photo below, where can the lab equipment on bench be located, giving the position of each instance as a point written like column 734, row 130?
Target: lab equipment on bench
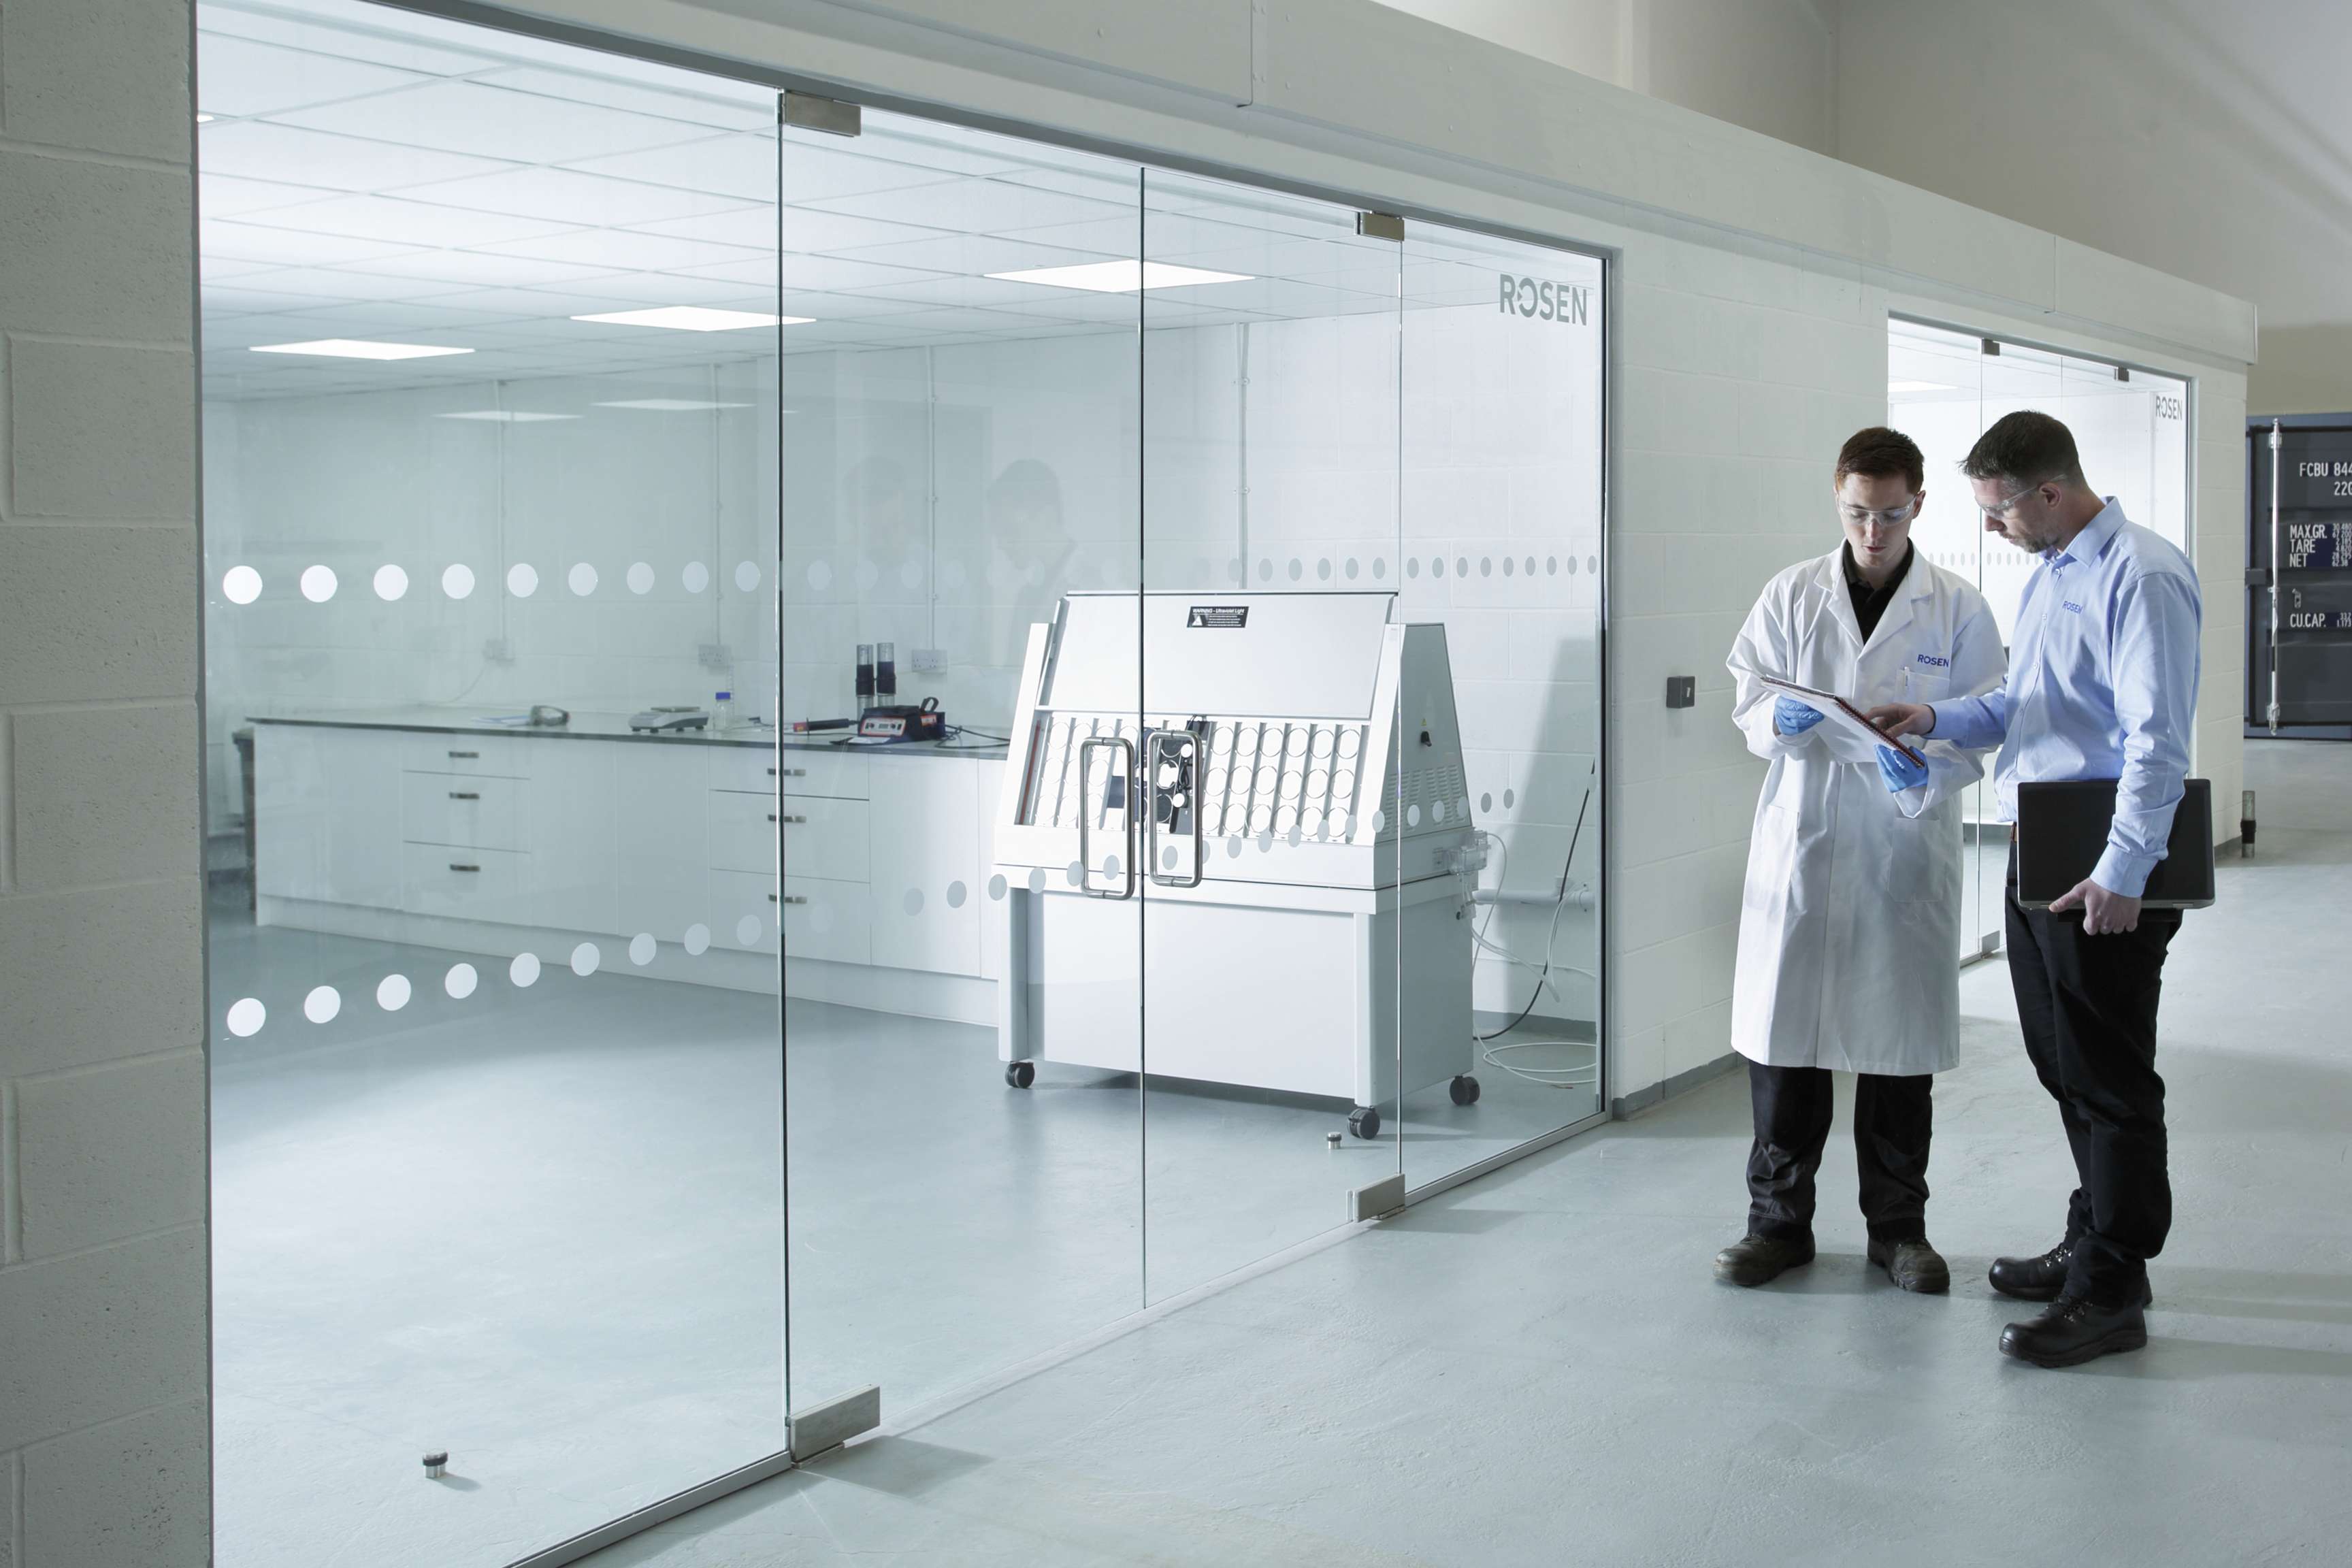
column 667, row 721
column 1280, row 777
column 904, row 721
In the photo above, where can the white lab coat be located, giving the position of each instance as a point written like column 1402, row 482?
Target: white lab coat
column 1849, row 926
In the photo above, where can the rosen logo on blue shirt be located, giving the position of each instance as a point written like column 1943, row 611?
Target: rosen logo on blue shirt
column 1931, row 659
column 2071, row 604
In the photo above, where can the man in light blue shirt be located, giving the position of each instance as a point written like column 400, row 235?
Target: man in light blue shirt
column 2102, row 685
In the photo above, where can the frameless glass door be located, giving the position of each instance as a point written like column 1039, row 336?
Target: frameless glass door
column 961, row 928
column 496, row 1076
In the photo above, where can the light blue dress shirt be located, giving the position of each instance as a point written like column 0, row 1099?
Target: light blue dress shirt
column 2102, row 685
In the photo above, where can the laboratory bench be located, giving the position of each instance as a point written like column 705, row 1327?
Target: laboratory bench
column 431, row 826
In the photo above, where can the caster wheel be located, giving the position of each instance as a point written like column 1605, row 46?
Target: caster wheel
column 1364, row 1121
column 1464, row 1089
column 1019, row 1075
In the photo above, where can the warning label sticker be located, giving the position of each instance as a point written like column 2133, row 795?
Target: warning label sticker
column 1218, row 617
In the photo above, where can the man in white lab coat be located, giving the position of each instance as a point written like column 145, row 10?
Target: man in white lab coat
column 1849, row 927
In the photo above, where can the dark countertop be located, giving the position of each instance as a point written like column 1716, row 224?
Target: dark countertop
column 584, row 726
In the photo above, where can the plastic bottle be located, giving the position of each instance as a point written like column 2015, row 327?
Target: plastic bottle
column 722, row 711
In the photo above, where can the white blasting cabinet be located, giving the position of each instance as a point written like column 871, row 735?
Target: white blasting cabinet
column 1288, row 891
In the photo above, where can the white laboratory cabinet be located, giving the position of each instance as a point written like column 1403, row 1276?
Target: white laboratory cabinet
column 1238, row 837
column 421, row 827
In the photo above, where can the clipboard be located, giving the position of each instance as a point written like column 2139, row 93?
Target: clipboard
column 1839, row 711
column 2062, row 831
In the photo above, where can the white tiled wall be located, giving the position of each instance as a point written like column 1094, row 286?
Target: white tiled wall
column 102, row 1309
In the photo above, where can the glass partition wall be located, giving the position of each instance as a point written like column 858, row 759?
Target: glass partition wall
column 1944, row 388
column 836, row 759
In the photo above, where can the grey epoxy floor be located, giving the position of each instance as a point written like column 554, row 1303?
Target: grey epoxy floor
column 541, row 1228
column 1535, row 1368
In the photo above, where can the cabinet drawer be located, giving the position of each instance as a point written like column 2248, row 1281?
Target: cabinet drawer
column 472, row 884
column 831, row 920
column 450, row 808
column 741, row 830
column 824, row 838
column 830, row 773
column 744, row 911
column 494, row 755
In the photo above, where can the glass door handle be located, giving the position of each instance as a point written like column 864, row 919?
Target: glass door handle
column 1087, row 803
column 1177, row 747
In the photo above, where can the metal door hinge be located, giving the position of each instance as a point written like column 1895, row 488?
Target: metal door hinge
column 1380, row 226
column 820, row 1427
column 808, row 112
column 1382, row 1197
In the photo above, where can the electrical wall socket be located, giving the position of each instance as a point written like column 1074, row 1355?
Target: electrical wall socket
column 498, row 650
column 925, row 660
column 715, row 656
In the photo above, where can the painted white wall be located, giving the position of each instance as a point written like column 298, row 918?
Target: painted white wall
column 103, row 1443
column 2212, row 142
column 1767, row 65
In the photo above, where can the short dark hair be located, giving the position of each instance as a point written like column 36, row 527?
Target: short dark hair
column 1879, row 453
column 2027, row 448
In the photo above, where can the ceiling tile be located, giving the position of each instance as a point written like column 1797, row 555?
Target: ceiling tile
column 225, row 195
column 974, row 255
column 259, row 150
column 411, row 222
column 241, row 241
column 519, row 127
column 977, row 206
column 741, row 166
column 375, row 44
column 621, row 249
column 805, row 229
column 239, row 77
column 350, row 283
column 480, row 268
column 744, row 108
column 564, row 195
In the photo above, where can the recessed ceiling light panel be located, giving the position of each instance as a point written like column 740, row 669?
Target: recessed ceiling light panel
column 1122, row 277
column 670, row 404
column 358, row 348
column 506, row 415
column 694, row 319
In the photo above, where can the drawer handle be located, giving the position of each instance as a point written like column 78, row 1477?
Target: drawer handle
column 791, row 773
column 466, row 756
column 465, row 795
column 788, row 819
column 790, row 898
column 455, row 867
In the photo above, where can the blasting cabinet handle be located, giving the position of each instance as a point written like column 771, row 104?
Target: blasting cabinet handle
column 1086, row 806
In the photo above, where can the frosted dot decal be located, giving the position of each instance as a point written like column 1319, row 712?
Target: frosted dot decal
column 641, row 577
column 1437, row 566
column 461, row 981
column 913, row 902
column 585, row 958
column 1110, row 864
column 1487, row 802
column 1350, row 568
column 910, row 574
column 1551, row 565
column 317, row 584
column 996, row 886
column 523, row 580
column 1264, row 570
column 246, row 1017
column 1531, row 565
column 392, row 993
column 1571, row 566
column 321, row 1006
column 581, row 579
column 642, row 948
column 695, row 578
column 1232, row 849
column 1168, row 857
column 1323, row 571
column 241, row 586
column 390, row 582
column 1510, row 566
column 1510, row 798
column 1486, row 566
column 1037, row 881
column 1462, row 566
column 1412, row 816
column 1076, row 873
column 1379, row 821
column 747, row 576
column 1592, row 565
column 1437, row 812
column 1380, row 565
column 956, row 893
column 457, row 581
column 746, row 931
column 819, row 576
column 1412, row 567
column 697, row 940
column 524, row 970
column 1265, row 843
column 867, row 575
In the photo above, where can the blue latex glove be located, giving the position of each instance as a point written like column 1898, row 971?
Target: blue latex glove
column 1792, row 717
column 1899, row 771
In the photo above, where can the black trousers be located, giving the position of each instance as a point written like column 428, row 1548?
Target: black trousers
column 2088, row 1005
column 1893, row 1119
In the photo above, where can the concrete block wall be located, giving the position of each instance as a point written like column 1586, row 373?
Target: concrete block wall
column 103, row 1442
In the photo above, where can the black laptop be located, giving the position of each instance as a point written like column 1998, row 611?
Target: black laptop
column 2061, row 830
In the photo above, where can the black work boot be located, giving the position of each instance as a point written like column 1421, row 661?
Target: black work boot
column 2044, row 1278
column 1760, row 1259
column 1913, row 1265
column 2071, row 1331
